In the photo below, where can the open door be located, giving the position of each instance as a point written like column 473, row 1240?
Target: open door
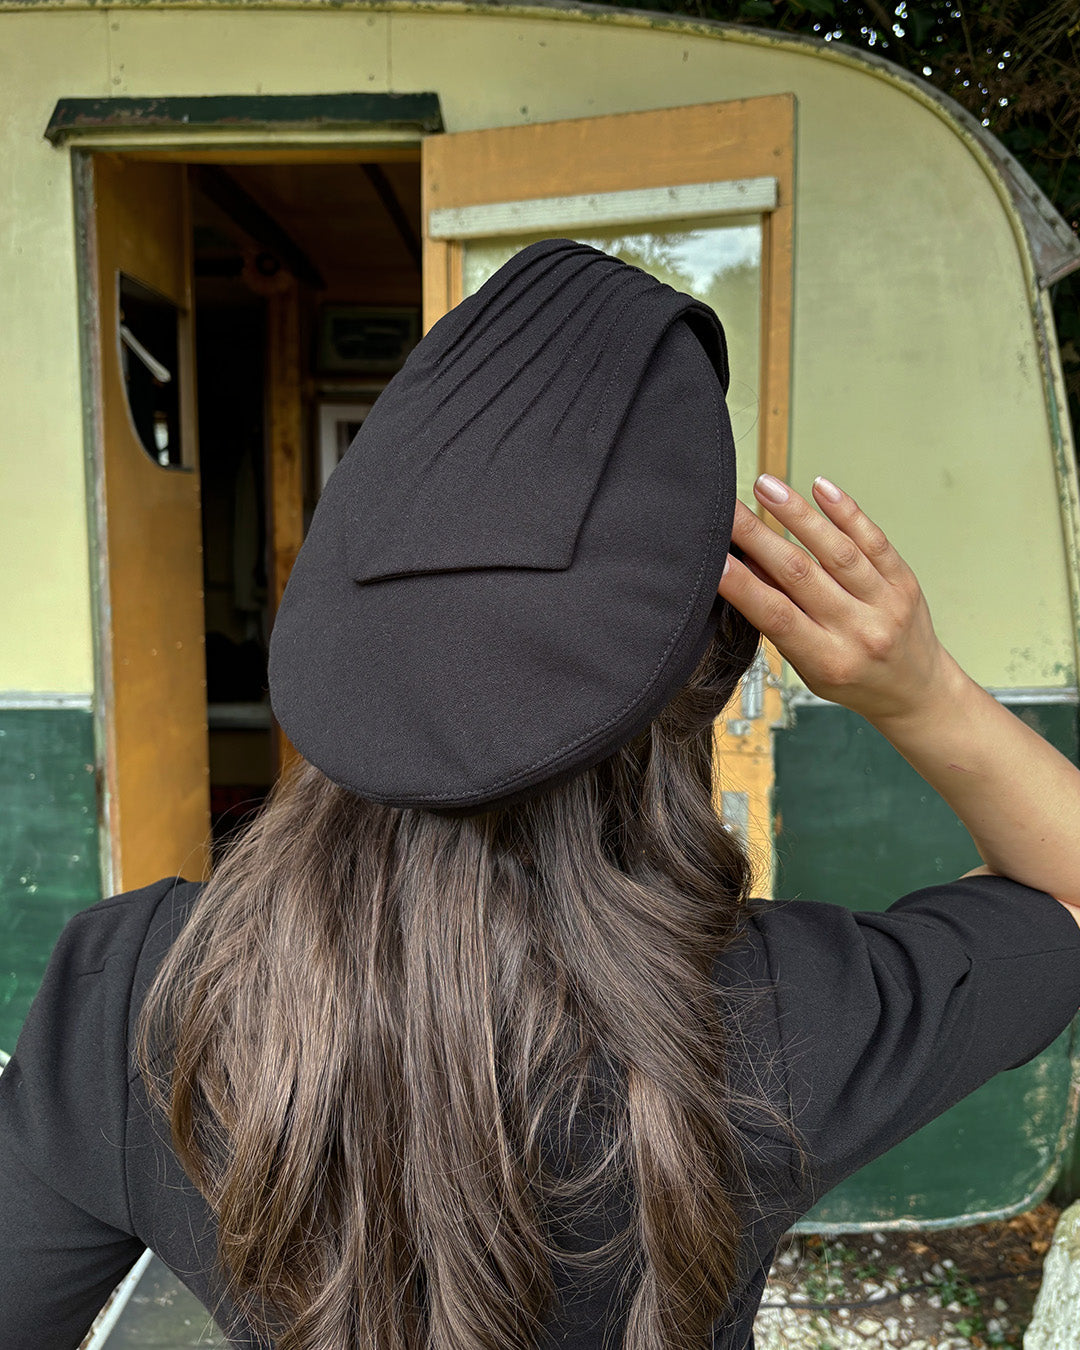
column 150, row 611
column 700, row 197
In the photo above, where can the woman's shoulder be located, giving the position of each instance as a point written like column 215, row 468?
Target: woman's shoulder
column 951, row 953
column 81, row 1021
column 119, row 926
column 118, row 943
column 153, row 920
column 102, row 956
column 63, row 1096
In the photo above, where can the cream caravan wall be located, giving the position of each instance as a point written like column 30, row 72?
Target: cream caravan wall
column 45, row 627
column 916, row 379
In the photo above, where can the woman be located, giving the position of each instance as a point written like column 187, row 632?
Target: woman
column 475, row 1038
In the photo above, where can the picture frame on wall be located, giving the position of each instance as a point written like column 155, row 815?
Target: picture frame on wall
column 364, row 339
column 339, row 421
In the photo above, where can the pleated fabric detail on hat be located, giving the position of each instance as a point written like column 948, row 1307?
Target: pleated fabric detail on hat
column 490, row 455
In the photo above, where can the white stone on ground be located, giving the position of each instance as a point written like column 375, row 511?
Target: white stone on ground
column 782, row 1329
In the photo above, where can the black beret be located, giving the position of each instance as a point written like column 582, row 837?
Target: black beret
column 514, row 567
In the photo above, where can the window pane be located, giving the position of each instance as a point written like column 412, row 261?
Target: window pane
column 149, row 336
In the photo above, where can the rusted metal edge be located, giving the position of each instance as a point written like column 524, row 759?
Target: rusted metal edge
column 108, row 1317
column 247, row 112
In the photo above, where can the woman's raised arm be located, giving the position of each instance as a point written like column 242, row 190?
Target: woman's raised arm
column 850, row 616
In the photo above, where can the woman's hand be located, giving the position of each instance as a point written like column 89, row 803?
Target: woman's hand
column 846, row 611
column 851, row 618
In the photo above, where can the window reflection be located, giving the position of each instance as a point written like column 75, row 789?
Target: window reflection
column 149, row 343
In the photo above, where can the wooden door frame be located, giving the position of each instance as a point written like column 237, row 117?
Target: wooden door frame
column 757, row 136
column 82, row 175
column 196, row 131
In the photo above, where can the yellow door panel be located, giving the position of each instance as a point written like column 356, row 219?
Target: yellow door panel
column 151, row 545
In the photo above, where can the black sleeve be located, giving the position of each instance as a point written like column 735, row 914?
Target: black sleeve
column 66, row 1236
column 888, row 1019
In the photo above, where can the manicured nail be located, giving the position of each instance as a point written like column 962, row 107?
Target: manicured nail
column 828, row 490
column 727, row 564
column 771, row 488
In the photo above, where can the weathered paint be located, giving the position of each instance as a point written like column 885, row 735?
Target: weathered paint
column 847, row 805
column 48, row 842
column 917, row 379
column 415, row 112
column 1053, row 1321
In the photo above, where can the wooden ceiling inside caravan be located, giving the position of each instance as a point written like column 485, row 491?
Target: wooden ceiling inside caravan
column 354, row 227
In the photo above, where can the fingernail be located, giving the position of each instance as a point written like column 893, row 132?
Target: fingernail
column 727, row 564
column 828, row 490
column 771, row 487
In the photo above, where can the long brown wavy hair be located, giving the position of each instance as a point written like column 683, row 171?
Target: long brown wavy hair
column 382, row 1024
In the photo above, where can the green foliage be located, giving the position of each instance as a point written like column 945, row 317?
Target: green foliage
column 820, row 8
column 921, row 24
column 954, row 1287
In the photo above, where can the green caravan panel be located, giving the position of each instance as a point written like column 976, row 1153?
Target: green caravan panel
column 857, row 826
column 1067, row 1187
column 48, row 844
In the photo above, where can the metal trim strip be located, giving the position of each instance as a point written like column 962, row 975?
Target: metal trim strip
column 736, row 196
column 19, row 700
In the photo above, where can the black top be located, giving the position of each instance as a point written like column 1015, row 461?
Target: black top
column 870, row 1024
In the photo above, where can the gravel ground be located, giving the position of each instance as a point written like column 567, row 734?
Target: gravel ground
column 951, row 1289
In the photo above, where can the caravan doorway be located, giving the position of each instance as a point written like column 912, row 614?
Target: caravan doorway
column 248, row 314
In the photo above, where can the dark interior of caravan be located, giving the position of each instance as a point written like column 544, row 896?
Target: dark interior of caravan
column 337, row 247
